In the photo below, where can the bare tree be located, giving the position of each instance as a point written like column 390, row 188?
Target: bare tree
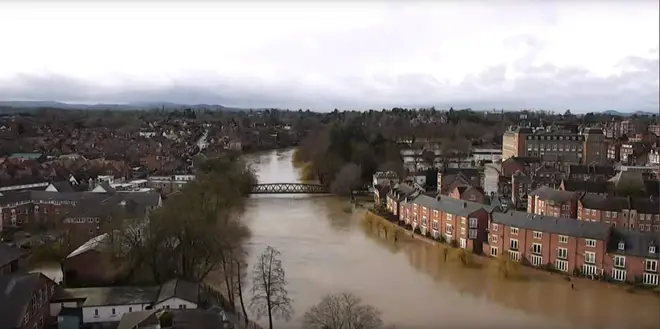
column 342, row 311
column 269, row 294
column 347, row 179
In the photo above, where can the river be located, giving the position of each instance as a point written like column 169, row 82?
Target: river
column 326, row 249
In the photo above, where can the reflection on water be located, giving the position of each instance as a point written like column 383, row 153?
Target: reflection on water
column 326, row 249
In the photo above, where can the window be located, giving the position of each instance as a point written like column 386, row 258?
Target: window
column 493, row 238
column 622, row 245
column 536, row 260
column 651, row 265
column 538, row 235
column 436, row 225
column 96, row 312
column 650, row 279
column 590, row 243
column 26, row 318
column 473, row 222
column 652, row 250
column 514, row 231
column 562, row 253
column 620, row 261
column 618, row 274
column 493, row 251
column 563, row 239
column 495, row 227
column 590, row 257
column 561, row 265
column 462, row 230
column 513, row 244
column 536, row 248
column 462, row 220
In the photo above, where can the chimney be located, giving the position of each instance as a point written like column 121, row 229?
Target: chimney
column 464, row 204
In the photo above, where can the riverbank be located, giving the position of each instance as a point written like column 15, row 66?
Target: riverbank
column 393, row 230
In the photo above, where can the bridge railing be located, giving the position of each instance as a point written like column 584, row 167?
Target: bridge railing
column 289, row 188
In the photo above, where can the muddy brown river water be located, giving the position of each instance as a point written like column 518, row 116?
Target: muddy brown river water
column 326, row 249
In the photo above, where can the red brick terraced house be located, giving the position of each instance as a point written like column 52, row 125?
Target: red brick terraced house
column 456, row 221
column 548, row 201
column 396, row 195
column 571, row 246
column 639, row 214
column 633, row 257
column 588, row 248
column 565, row 243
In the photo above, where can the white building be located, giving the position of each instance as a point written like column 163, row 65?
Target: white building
column 109, row 304
column 486, row 154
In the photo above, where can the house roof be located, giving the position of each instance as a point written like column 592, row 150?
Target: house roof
column 585, row 186
column 9, row 254
column 131, row 320
column 524, row 161
column 63, row 186
column 583, row 169
column 635, row 243
column 185, row 290
column 547, row 193
column 107, row 296
column 15, row 295
column 614, row 203
column 26, row 155
column 450, row 205
column 96, row 243
column 557, row 225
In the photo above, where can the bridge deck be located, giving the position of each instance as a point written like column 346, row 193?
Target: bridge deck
column 289, row 188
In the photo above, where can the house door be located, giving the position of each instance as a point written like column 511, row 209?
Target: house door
column 463, row 243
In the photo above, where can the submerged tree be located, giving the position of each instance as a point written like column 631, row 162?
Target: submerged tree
column 347, row 179
column 269, row 294
column 342, row 311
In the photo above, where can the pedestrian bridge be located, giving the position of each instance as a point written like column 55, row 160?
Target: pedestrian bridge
column 289, row 188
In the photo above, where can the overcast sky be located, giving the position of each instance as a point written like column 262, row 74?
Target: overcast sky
column 589, row 55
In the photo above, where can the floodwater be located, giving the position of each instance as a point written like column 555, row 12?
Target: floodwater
column 325, row 248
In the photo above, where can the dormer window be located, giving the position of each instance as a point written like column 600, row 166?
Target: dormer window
column 622, row 245
column 651, row 249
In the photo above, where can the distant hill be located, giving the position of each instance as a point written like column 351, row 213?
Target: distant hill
column 627, row 114
column 101, row 106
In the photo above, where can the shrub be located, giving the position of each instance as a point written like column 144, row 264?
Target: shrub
column 464, row 257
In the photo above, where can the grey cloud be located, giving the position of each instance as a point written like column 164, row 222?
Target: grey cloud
column 545, row 86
